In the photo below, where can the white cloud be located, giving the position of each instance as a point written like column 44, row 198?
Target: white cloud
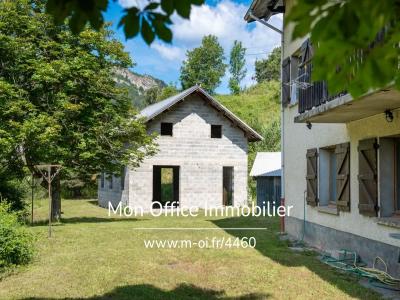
column 130, row 3
column 224, row 20
column 169, row 52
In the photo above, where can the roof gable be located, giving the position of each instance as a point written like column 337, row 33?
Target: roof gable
column 154, row 110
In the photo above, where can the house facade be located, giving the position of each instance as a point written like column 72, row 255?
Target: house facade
column 341, row 157
column 201, row 160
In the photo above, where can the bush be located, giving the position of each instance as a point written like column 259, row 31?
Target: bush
column 12, row 191
column 16, row 242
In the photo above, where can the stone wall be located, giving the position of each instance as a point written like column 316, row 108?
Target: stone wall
column 200, row 157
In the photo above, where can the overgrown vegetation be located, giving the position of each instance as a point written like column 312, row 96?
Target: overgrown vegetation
column 269, row 68
column 58, row 100
column 16, row 241
column 259, row 107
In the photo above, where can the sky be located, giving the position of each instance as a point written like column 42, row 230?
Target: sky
column 223, row 19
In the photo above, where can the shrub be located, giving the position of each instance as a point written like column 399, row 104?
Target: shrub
column 16, row 242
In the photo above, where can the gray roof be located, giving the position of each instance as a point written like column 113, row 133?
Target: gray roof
column 267, row 164
column 152, row 111
column 262, row 9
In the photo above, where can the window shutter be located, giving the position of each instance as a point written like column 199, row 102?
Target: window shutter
column 286, row 81
column 367, row 177
column 342, row 153
column 312, row 177
column 307, row 52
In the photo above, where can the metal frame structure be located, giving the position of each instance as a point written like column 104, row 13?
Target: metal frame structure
column 45, row 170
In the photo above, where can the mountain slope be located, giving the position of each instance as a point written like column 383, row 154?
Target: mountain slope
column 136, row 84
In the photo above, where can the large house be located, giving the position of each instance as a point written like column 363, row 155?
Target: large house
column 341, row 156
column 201, row 160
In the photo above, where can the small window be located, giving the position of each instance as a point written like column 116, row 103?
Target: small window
column 123, row 171
column 166, row 129
column 216, row 131
column 102, row 180
column 110, row 182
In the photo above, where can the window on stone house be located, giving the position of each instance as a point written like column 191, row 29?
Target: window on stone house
column 110, row 182
column 102, row 180
column 216, row 131
column 166, row 129
column 123, row 172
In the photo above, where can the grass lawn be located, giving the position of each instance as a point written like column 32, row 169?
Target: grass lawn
column 92, row 256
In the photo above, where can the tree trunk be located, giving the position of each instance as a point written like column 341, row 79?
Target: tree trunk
column 55, row 199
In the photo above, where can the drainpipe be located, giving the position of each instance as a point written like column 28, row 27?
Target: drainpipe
column 282, row 219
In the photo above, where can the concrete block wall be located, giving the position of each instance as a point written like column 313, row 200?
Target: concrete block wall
column 114, row 195
column 200, row 157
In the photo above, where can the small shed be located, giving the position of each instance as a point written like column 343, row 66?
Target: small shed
column 267, row 172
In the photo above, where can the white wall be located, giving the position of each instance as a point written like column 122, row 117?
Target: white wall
column 298, row 138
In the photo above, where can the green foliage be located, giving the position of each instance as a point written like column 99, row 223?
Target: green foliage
column 167, row 91
column 269, row 68
column 151, row 21
column 58, row 100
column 204, row 65
column 341, row 33
column 151, row 95
column 16, row 242
column 236, row 66
column 76, row 188
column 156, row 94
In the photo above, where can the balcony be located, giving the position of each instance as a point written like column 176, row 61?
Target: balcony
column 317, row 106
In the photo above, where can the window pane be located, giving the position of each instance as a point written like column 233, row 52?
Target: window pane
column 166, row 129
column 216, row 131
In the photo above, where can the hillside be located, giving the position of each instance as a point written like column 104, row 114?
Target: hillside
column 259, row 107
column 136, row 84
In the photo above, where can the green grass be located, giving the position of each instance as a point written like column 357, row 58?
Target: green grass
column 92, row 256
column 258, row 104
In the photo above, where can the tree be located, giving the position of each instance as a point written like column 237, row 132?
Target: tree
column 204, row 65
column 151, row 21
column 270, row 68
column 168, row 91
column 342, row 33
column 58, row 100
column 151, row 95
column 236, row 66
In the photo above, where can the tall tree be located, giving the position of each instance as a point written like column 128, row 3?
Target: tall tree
column 59, row 103
column 236, row 66
column 270, row 68
column 344, row 34
column 204, row 65
column 153, row 20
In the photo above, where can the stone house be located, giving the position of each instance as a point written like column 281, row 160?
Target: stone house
column 341, row 156
column 201, row 160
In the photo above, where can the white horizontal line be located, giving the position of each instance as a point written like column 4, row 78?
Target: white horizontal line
column 196, row 228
